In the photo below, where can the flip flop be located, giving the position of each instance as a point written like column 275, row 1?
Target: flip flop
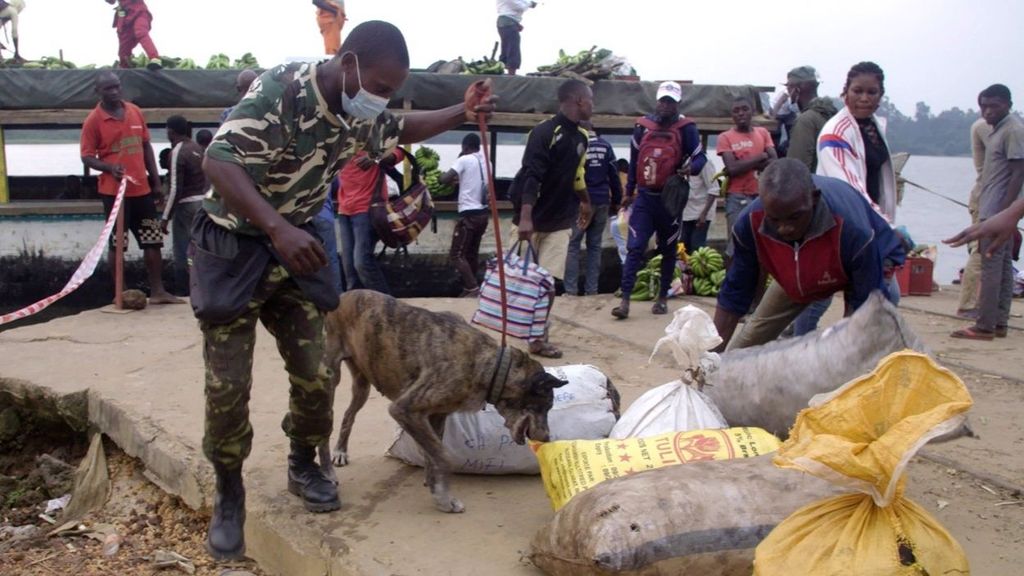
column 972, row 333
column 659, row 308
column 620, row 312
column 546, row 350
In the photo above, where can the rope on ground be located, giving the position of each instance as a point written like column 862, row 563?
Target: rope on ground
column 84, row 271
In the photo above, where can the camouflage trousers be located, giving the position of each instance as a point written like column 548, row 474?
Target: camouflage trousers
column 298, row 327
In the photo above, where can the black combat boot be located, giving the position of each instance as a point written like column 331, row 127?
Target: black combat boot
column 225, row 539
column 306, row 481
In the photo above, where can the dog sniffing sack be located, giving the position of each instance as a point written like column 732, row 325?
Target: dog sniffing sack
column 861, row 438
column 570, row 467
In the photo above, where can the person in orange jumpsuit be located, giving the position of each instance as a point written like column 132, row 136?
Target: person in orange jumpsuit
column 133, row 21
column 330, row 17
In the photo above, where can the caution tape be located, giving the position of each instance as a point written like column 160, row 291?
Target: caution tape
column 85, row 269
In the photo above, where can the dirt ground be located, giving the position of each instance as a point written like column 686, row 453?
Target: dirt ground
column 970, row 485
column 145, row 518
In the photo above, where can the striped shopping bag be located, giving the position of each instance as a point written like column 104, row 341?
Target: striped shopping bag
column 529, row 288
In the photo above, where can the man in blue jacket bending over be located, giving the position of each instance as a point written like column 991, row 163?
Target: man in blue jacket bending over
column 815, row 236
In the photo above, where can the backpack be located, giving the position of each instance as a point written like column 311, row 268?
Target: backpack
column 660, row 152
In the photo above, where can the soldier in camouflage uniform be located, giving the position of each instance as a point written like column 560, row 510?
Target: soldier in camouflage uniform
column 256, row 256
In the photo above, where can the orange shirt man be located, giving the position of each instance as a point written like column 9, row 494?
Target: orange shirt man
column 115, row 143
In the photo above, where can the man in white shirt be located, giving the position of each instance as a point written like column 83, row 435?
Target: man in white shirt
column 700, row 208
column 510, row 17
column 9, row 11
column 468, row 171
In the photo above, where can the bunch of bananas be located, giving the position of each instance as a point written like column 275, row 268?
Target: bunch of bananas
column 485, row 66
column 648, row 280
column 430, row 168
column 708, row 271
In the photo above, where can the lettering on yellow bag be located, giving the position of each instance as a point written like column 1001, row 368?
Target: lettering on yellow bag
column 570, row 467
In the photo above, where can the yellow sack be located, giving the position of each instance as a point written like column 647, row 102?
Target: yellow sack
column 861, row 437
column 569, row 467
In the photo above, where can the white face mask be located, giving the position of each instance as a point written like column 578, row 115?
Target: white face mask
column 365, row 105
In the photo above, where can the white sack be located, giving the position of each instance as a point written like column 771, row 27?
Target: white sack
column 479, row 443
column 678, row 406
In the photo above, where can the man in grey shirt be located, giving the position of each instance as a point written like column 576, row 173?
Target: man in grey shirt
column 1001, row 179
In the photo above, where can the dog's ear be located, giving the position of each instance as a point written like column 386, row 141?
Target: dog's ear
column 551, row 381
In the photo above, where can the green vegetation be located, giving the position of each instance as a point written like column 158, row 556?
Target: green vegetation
column 944, row 134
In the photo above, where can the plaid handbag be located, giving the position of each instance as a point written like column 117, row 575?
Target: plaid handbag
column 398, row 221
column 529, row 289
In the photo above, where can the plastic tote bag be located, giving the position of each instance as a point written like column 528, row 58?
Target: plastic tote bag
column 679, row 405
column 529, row 288
column 861, row 438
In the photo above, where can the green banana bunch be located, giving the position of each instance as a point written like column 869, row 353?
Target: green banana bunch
column 704, row 287
column 218, row 62
column 705, row 261
column 430, row 162
column 718, row 277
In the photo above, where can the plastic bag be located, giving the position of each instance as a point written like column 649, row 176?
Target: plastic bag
column 861, row 438
column 570, row 467
column 479, row 443
column 678, row 405
column 671, row 407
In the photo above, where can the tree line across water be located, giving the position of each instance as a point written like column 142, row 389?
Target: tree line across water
column 944, row 134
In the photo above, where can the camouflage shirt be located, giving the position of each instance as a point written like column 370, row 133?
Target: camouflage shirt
column 292, row 146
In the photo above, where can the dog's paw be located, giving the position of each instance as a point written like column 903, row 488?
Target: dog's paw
column 339, row 457
column 328, row 472
column 449, row 504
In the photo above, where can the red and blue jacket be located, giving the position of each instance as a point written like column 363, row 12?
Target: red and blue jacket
column 843, row 251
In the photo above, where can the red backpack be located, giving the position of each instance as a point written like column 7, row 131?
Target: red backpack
column 661, row 152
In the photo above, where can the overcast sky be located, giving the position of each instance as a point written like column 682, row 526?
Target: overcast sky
column 940, row 51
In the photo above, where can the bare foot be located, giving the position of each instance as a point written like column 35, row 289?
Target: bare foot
column 165, row 298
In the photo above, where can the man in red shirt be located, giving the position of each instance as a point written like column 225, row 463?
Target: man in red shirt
column 115, row 142
column 745, row 150
column 361, row 179
column 133, row 22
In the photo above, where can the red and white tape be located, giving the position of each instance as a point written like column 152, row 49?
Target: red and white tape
column 85, row 269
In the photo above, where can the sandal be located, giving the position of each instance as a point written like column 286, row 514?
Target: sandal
column 1002, row 331
column 972, row 333
column 545, row 350
column 474, row 293
column 620, row 312
column 660, row 307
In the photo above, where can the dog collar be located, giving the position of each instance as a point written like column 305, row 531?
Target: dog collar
column 500, row 376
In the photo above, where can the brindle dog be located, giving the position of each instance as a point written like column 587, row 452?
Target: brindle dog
column 430, row 365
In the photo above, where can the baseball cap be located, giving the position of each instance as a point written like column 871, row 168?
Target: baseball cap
column 670, row 89
column 802, row 74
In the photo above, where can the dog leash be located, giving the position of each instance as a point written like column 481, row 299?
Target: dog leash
column 481, row 121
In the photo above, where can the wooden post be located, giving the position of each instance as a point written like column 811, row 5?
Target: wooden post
column 5, row 194
column 407, row 166
column 119, row 259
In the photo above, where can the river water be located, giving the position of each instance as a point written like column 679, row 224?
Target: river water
column 929, row 217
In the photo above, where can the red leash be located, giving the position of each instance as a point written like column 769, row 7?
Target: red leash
column 481, row 121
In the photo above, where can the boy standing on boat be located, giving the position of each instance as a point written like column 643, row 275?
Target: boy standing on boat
column 133, row 21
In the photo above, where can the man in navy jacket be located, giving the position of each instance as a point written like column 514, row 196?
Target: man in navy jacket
column 815, row 236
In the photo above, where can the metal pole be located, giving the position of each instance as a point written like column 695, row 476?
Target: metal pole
column 119, row 260
column 5, row 195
